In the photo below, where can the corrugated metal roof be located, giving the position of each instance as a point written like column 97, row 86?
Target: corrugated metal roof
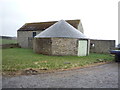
column 61, row 29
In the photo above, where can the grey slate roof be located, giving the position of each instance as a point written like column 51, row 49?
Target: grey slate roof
column 41, row 26
column 61, row 29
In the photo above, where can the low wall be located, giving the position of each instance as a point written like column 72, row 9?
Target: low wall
column 9, row 46
column 101, row 46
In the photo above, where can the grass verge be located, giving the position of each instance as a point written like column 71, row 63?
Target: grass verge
column 16, row 59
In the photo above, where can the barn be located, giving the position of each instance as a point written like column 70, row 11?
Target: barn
column 26, row 33
column 61, row 39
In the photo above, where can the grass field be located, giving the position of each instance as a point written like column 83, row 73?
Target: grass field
column 7, row 41
column 15, row 59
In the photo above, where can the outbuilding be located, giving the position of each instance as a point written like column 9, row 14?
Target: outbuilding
column 28, row 31
column 61, row 39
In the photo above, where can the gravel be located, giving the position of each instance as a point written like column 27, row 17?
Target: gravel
column 102, row 76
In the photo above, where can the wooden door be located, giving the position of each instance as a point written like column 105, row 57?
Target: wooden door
column 82, row 47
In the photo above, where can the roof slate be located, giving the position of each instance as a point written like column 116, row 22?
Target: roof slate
column 40, row 26
column 61, row 29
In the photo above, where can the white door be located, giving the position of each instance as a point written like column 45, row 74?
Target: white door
column 82, row 47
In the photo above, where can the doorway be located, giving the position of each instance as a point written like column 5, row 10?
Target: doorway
column 82, row 47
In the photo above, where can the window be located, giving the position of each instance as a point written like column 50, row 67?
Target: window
column 34, row 34
column 92, row 45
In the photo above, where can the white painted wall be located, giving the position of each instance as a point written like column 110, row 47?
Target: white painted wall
column 80, row 27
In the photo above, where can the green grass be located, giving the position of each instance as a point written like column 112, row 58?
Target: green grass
column 14, row 59
column 7, row 41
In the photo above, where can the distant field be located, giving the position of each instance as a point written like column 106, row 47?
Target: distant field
column 14, row 59
column 7, row 41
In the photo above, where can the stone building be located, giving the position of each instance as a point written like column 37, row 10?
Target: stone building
column 26, row 33
column 61, row 39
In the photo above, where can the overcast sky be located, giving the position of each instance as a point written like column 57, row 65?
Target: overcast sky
column 99, row 17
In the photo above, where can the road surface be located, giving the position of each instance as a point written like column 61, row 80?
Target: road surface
column 102, row 76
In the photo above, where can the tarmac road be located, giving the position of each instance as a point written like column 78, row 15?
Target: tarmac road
column 102, row 76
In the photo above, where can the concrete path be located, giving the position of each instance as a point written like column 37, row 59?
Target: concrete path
column 102, row 76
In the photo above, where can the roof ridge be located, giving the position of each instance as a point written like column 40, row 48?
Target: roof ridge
column 52, row 21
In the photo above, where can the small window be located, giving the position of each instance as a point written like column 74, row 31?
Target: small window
column 92, row 45
column 34, row 34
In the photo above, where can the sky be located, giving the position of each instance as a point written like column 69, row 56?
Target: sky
column 99, row 17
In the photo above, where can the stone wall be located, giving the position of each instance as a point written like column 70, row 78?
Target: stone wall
column 9, row 46
column 42, row 45
column 64, row 46
column 30, row 42
column 101, row 46
column 23, row 38
column 56, row 46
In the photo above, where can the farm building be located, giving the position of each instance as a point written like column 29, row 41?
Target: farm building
column 61, row 39
column 26, row 33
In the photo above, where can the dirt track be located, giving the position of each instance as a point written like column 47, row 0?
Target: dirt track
column 102, row 76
